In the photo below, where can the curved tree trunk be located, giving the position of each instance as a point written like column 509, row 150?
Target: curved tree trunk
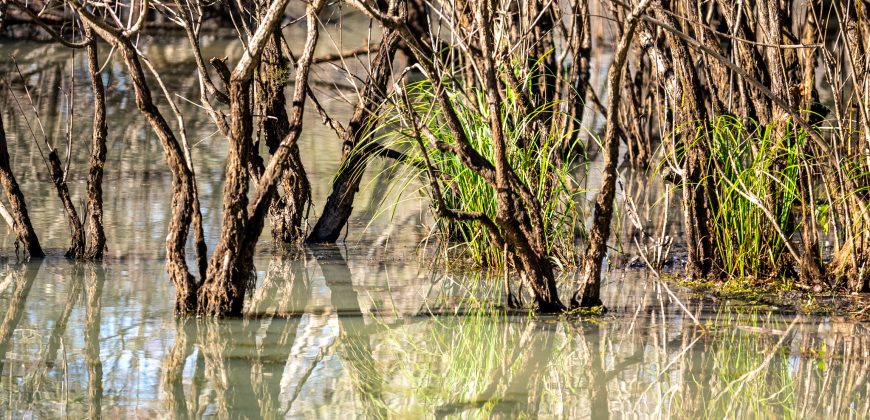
column 231, row 269
column 77, row 233
column 182, row 187
column 21, row 220
column 287, row 212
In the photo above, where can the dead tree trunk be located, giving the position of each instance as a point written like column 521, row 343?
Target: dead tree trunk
column 588, row 292
column 17, row 206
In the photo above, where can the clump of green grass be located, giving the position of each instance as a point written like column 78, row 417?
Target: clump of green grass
column 753, row 167
column 540, row 166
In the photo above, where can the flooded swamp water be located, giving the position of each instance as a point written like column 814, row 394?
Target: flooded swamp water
column 371, row 328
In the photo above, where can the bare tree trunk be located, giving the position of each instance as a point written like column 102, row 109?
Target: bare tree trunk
column 354, row 154
column 810, row 260
column 542, row 58
column 182, row 188
column 753, row 104
column 851, row 263
column 578, row 75
column 528, row 244
column 714, row 72
column 96, row 234
column 287, row 212
column 230, row 274
column 231, row 270
column 691, row 121
column 22, row 226
column 588, row 292
column 77, row 233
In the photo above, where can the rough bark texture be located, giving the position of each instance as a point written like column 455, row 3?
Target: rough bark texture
column 851, row 264
column 77, row 233
column 287, row 212
column 578, row 73
column 691, row 122
column 754, row 105
column 183, row 186
column 528, row 241
column 809, row 261
column 230, row 271
column 714, row 72
column 96, row 235
column 17, row 206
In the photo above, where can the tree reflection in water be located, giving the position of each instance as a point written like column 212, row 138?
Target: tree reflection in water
column 323, row 337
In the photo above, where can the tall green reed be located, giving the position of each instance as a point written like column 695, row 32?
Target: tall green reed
column 754, row 171
column 535, row 153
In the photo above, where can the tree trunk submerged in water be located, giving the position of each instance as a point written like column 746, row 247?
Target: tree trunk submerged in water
column 511, row 213
column 231, row 269
column 588, row 293
column 230, row 272
column 95, row 232
column 183, row 188
column 684, row 91
column 354, row 154
column 18, row 207
column 77, row 232
column 287, row 213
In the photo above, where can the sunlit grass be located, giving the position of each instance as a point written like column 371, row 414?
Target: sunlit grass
column 542, row 168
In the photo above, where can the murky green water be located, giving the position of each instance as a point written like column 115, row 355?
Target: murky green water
column 367, row 329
